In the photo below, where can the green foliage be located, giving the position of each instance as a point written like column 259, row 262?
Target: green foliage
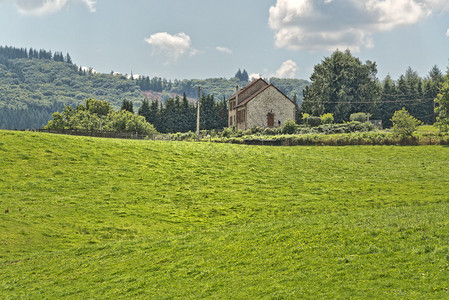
column 414, row 93
column 125, row 121
column 92, row 117
column 342, row 85
column 305, row 117
column 289, row 127
column 313, row 121
column 98, row 107
column 404, row 124
column 227, row 132
column 327, row 118
column 127, row 105
column 25, row 118
column 359, row 117
column 106, row 218
column 39, row 86
column 349, row 127
column 442, row 106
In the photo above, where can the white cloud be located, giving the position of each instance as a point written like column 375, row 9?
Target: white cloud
column 90, row 4
column 224, row 50
column 135, row 76
column 45, row 7
column 438, row 5
column 317, row 25
column 171, row 47
column 287, row 70
column 254, row 76
column 88, row 70
column 447, row 32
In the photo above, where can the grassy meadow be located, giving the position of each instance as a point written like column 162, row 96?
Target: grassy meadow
column 85, row 218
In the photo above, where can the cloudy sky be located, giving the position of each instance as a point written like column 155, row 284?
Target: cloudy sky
column 211, row 38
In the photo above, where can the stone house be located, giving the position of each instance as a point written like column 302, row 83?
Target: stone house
column 260, row 104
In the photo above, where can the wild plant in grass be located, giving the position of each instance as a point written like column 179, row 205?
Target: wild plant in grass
column 404, row 124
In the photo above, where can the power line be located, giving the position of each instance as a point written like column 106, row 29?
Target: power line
column 373, row 102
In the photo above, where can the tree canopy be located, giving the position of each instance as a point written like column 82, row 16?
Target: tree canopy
column 442, row 106
column 98, row 115
column 342, row 84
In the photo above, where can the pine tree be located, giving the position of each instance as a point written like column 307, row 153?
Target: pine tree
column 153, row 116
column 238, row 75
column 68, row 59
column 245, row 76
column 127, row 105
column 144, row 110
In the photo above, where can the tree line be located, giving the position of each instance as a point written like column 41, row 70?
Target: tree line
column 29, row 117
column 343, row 85
column 175, row 116
column 179, row 115
column 8, row 52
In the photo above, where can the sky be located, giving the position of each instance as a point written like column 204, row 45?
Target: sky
column 187, row 39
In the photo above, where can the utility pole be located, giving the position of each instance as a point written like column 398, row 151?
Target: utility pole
column 198, row 116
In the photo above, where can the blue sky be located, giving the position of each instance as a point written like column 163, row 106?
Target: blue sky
column 180, row 39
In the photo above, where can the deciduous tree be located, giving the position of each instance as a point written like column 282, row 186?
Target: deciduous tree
column 342, row 84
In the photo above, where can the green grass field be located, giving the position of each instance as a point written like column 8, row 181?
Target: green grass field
column 106, row 218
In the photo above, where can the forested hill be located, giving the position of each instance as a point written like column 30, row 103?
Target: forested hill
column 36, row 83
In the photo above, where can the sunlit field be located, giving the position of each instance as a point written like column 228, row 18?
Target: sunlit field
column 105, row 218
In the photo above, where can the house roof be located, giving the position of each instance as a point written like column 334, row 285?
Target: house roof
column 244, row 90
column 255, row 93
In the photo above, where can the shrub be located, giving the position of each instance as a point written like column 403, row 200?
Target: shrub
column 227, row 132
column 404, row 124
column 359, row 117
column 255, row 129
column 269, row 131
column 313, row 121
column 238, row 133
column 327, row 118
column 289, row 127
column 305, row 118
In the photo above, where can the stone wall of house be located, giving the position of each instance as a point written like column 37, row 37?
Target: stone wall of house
column 269, row 101
column 231, row 115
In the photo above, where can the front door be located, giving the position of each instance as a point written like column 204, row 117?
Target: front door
column 270, row 120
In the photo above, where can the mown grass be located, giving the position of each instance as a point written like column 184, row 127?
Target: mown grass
column 105, row 218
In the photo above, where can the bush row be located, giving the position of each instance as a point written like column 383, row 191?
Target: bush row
column 291, row 128
column 346, row 139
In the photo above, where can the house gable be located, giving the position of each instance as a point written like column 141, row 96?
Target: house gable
column 260, row 104
column 269, row 108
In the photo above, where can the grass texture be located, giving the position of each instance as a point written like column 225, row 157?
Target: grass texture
column 86, row 218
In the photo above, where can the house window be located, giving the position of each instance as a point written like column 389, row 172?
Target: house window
column 230, row 121
column 231, row 105
column 241, row 116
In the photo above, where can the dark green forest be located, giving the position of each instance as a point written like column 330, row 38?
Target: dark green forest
column 179, row 115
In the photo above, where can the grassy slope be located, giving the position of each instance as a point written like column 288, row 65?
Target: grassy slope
column 116, row 218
